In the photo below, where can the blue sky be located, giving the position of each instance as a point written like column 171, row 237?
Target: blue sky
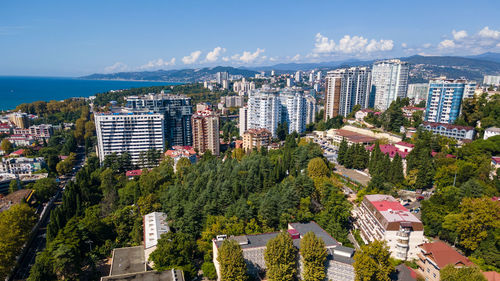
column 70, row 38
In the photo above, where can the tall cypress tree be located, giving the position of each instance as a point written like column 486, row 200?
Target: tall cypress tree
column 397, row 173
column 342, row 152
column 313, row 252
column 232, row 263
column 281, row 258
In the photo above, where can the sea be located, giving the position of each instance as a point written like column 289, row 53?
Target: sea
column 15, row 90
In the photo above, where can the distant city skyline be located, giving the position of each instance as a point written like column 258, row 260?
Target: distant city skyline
column 52, row 38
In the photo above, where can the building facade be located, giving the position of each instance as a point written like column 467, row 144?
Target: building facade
column 21, row 165
column 381, row 217
column 293, row 110
column 154, row 224
column 418, row 92
column 311, row 109
column 243, row 120
column 451, row 131
column 346, row 88
column 491, row 80
column 177, row 113
column 432, row 257
column 445, row 99
column 205, row 125
column 389, row 81
column 264, row 110
column 131, row 132
column 256, row 138
column 491, row 132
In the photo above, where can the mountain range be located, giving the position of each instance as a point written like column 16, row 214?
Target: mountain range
column 422, row 68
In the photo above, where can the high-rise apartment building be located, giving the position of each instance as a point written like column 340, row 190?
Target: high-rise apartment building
column 418, row 92
column 243, row 120
column 293, row 110
column 20, row 119
column 445, row 99
column 389, row 81
column 131, row 132
column 298, row 76
column 345, row 88
column 176, row 109
column 264, row 110
column 221, row 76
column 205, row 126
column 491, row 80
column 332, row 99
column 311, row 109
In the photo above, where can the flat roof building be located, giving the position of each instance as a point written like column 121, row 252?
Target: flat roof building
column 339, row 260
column 382, row 217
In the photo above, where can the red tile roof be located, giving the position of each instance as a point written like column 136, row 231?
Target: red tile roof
column 492, row 275
column 442, row 254
column 18, row 152
column 133, row 173
column 496, row 159
column 389, row 149
column 388, row 205
column 402, row 143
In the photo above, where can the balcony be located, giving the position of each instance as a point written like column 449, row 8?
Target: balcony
column 402, row 244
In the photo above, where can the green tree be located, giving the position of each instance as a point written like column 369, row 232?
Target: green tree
column 317, row 168
column 13, row 185
column 6, row 146
column 372, row 263
column 396, row 172
column 476, row 219
column 45, row 188
column 175, row 250
column 452, row 273
column 282, row 131
column 15, row 228
column 313, row 252
column 281, row 258
column 231, row 261
column 343, row 147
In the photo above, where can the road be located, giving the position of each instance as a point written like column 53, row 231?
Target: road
column 39, row 241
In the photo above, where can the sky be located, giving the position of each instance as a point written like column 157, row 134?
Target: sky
column 74, row 38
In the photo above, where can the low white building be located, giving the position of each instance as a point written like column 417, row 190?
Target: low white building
column 21, row 165
column 155, row 224
column 382, row 217
column 451, row 131
column 490, row 132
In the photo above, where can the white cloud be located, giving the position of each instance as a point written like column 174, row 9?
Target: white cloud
column 427, row 45
column 116, row 67
column 446, row 44
column 404, row 45
column 214, row 55
column 158, row 63
column 350, row 45
column 248, row 57
column 461, row 34
column 192, row 58
column 486, row 32
column 296, row 57
column 323, row 45
column 226, row 58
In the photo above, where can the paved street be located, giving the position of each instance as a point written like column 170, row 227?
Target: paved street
column 39, row 241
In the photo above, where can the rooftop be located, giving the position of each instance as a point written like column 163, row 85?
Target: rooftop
column 133, row 173
column 447, row 126
column 493, row 129
column 354, row 137
column 443, row 254
column 389, row 149
column 260, row 240
column 128, row 260
column 167, row 275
